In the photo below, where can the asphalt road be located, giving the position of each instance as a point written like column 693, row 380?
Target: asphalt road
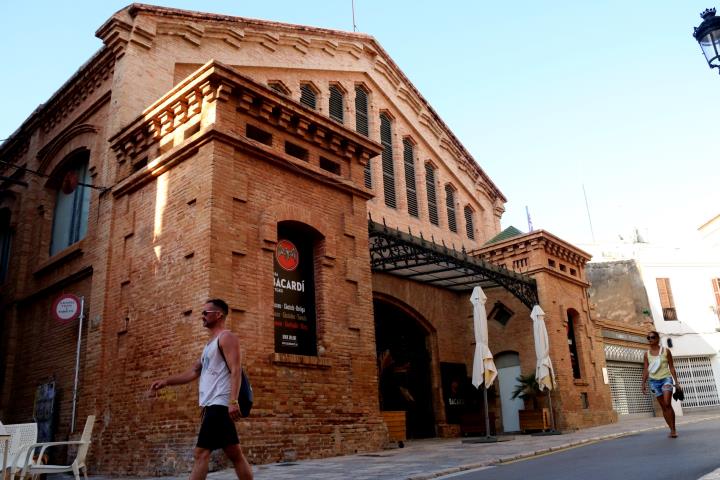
column 647, row 455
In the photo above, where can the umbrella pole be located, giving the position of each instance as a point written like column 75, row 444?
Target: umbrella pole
column 552, row 415
column 487, row 414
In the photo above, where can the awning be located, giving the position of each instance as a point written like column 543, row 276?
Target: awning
column 415, row 258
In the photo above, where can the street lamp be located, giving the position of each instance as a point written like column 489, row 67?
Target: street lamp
column 707, row 35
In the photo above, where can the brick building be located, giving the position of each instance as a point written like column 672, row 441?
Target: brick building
column 297, row 173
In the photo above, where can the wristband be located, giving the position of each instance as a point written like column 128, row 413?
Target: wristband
column 234, row 402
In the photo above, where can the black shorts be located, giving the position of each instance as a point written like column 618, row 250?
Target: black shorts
column 217, row 429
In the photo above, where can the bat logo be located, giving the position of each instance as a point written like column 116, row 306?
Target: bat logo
column 287, row 255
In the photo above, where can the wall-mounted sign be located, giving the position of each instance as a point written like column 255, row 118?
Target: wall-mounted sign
column 66, row 308
column 294, row 306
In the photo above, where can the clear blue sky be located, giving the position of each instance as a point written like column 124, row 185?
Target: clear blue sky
column 548, row 96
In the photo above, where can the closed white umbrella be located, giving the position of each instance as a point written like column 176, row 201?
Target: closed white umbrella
column 484, row 370
column 544, row 372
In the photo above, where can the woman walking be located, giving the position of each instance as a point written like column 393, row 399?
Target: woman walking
column 659, row 368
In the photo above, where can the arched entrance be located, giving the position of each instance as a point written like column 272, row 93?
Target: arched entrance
column 404, row 362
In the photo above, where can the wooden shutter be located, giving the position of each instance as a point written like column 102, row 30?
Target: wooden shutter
column 336, row 101
column 387, row 161
column 411, row 187
column 469, row 224
column 431, row 194
column 666, row 299
column 308, row 96
column 450, row 204
column 361, row 111
column 716, row 291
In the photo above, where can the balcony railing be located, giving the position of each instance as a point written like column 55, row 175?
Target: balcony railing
column 669, row 313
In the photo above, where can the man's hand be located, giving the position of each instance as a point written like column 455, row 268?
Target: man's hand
column 157, row 385
column 234, row 411
column 644, row 388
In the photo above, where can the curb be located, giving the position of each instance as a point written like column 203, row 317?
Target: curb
column 565, row 446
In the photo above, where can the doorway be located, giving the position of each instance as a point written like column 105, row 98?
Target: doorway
column 508, row 365
column 404, row 368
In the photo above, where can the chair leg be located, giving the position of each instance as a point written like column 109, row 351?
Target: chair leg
column 76, row 471
column 85, row 473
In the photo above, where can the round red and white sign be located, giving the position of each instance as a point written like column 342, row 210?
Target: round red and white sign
column 287, row 255
column 66, row 308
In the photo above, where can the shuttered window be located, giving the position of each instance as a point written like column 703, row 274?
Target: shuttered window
column 410, row 184
column 387, row 161
column 72, row 205
column 308, row 96
column 335, row 106
column 361, row 125
column 469, row 223
column 450, row 204
column 666, row 299
column 431, row 194
column 361, row 111
column 716, row 291
column 278, row 87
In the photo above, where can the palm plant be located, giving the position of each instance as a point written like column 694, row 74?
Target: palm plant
column 527, row 389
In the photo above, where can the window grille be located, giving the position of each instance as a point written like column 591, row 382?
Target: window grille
column 361, row 111
column 335, row 106
column 410, row 185
column 387, row 161
column 308, row 96
column 626, row 388
column 450, row 205
column 72, row 205
column 431, row 194
column 469, row 223
column 698, row 381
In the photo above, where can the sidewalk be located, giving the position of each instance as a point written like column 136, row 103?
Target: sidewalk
column 427, row 459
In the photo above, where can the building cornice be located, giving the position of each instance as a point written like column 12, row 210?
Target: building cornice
column 538, row 239
column 123, row 28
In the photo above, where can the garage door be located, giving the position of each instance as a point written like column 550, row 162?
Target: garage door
column 698, row 381
column 626, row 388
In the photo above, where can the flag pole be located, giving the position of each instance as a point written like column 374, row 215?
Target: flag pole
column 77, row 364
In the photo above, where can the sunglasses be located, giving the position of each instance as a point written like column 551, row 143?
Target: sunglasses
column 651, row 337
column 205, row 313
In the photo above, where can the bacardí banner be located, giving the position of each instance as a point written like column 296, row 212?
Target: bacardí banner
column 294, row 297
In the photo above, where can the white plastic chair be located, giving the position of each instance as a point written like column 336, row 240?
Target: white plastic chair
column 21, row 436
column 79, row 462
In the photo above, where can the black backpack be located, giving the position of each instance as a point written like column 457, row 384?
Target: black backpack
column 245, row 397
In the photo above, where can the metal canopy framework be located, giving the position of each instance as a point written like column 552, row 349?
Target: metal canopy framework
column 404, row 255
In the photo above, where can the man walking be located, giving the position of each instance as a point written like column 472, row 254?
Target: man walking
column 219, row 369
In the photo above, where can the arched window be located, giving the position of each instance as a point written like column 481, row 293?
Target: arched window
column 387, row 161
column 336, row 104
column 450, row 204
column 72, row 204
column 469, row 222
column 572, row 317
column 431, row 194
column 410, row 184
column 308, row 97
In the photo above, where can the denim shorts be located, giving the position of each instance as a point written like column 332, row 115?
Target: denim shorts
column 657, row 387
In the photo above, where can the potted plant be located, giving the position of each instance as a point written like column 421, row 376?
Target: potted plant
column 534, row 418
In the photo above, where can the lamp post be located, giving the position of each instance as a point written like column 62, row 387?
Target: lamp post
column 707, row 35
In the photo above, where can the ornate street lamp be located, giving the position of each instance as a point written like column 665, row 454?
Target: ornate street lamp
column 707, row 35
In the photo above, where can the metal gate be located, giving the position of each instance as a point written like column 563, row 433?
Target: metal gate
column 626, row 388
column 698, row 381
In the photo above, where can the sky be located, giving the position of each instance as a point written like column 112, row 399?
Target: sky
column 593, row 116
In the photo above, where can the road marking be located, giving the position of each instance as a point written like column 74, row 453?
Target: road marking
column 465, row 472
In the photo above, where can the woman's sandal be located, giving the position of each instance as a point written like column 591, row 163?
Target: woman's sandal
column 673, row 435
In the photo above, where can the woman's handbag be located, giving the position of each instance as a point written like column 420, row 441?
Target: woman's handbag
column 678, row 394
column 655, row 364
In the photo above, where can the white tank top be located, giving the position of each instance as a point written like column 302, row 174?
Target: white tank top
column 214, row 376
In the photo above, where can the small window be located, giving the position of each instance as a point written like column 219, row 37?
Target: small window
column 563, row 267
column 410, row 184
column 296, row 151
column 361, row 111
column 501, row 313
column 584, row 400
column 431, row 194
column 330, row 166
column 551, row 263
column 336, row 104
column 279, row 87
column 5, row 239
column 469, row 222
column 573, row 272
column 666, row 299
column 254, row 133
column 308, row 97
column 72, row 205
column 387, row 161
